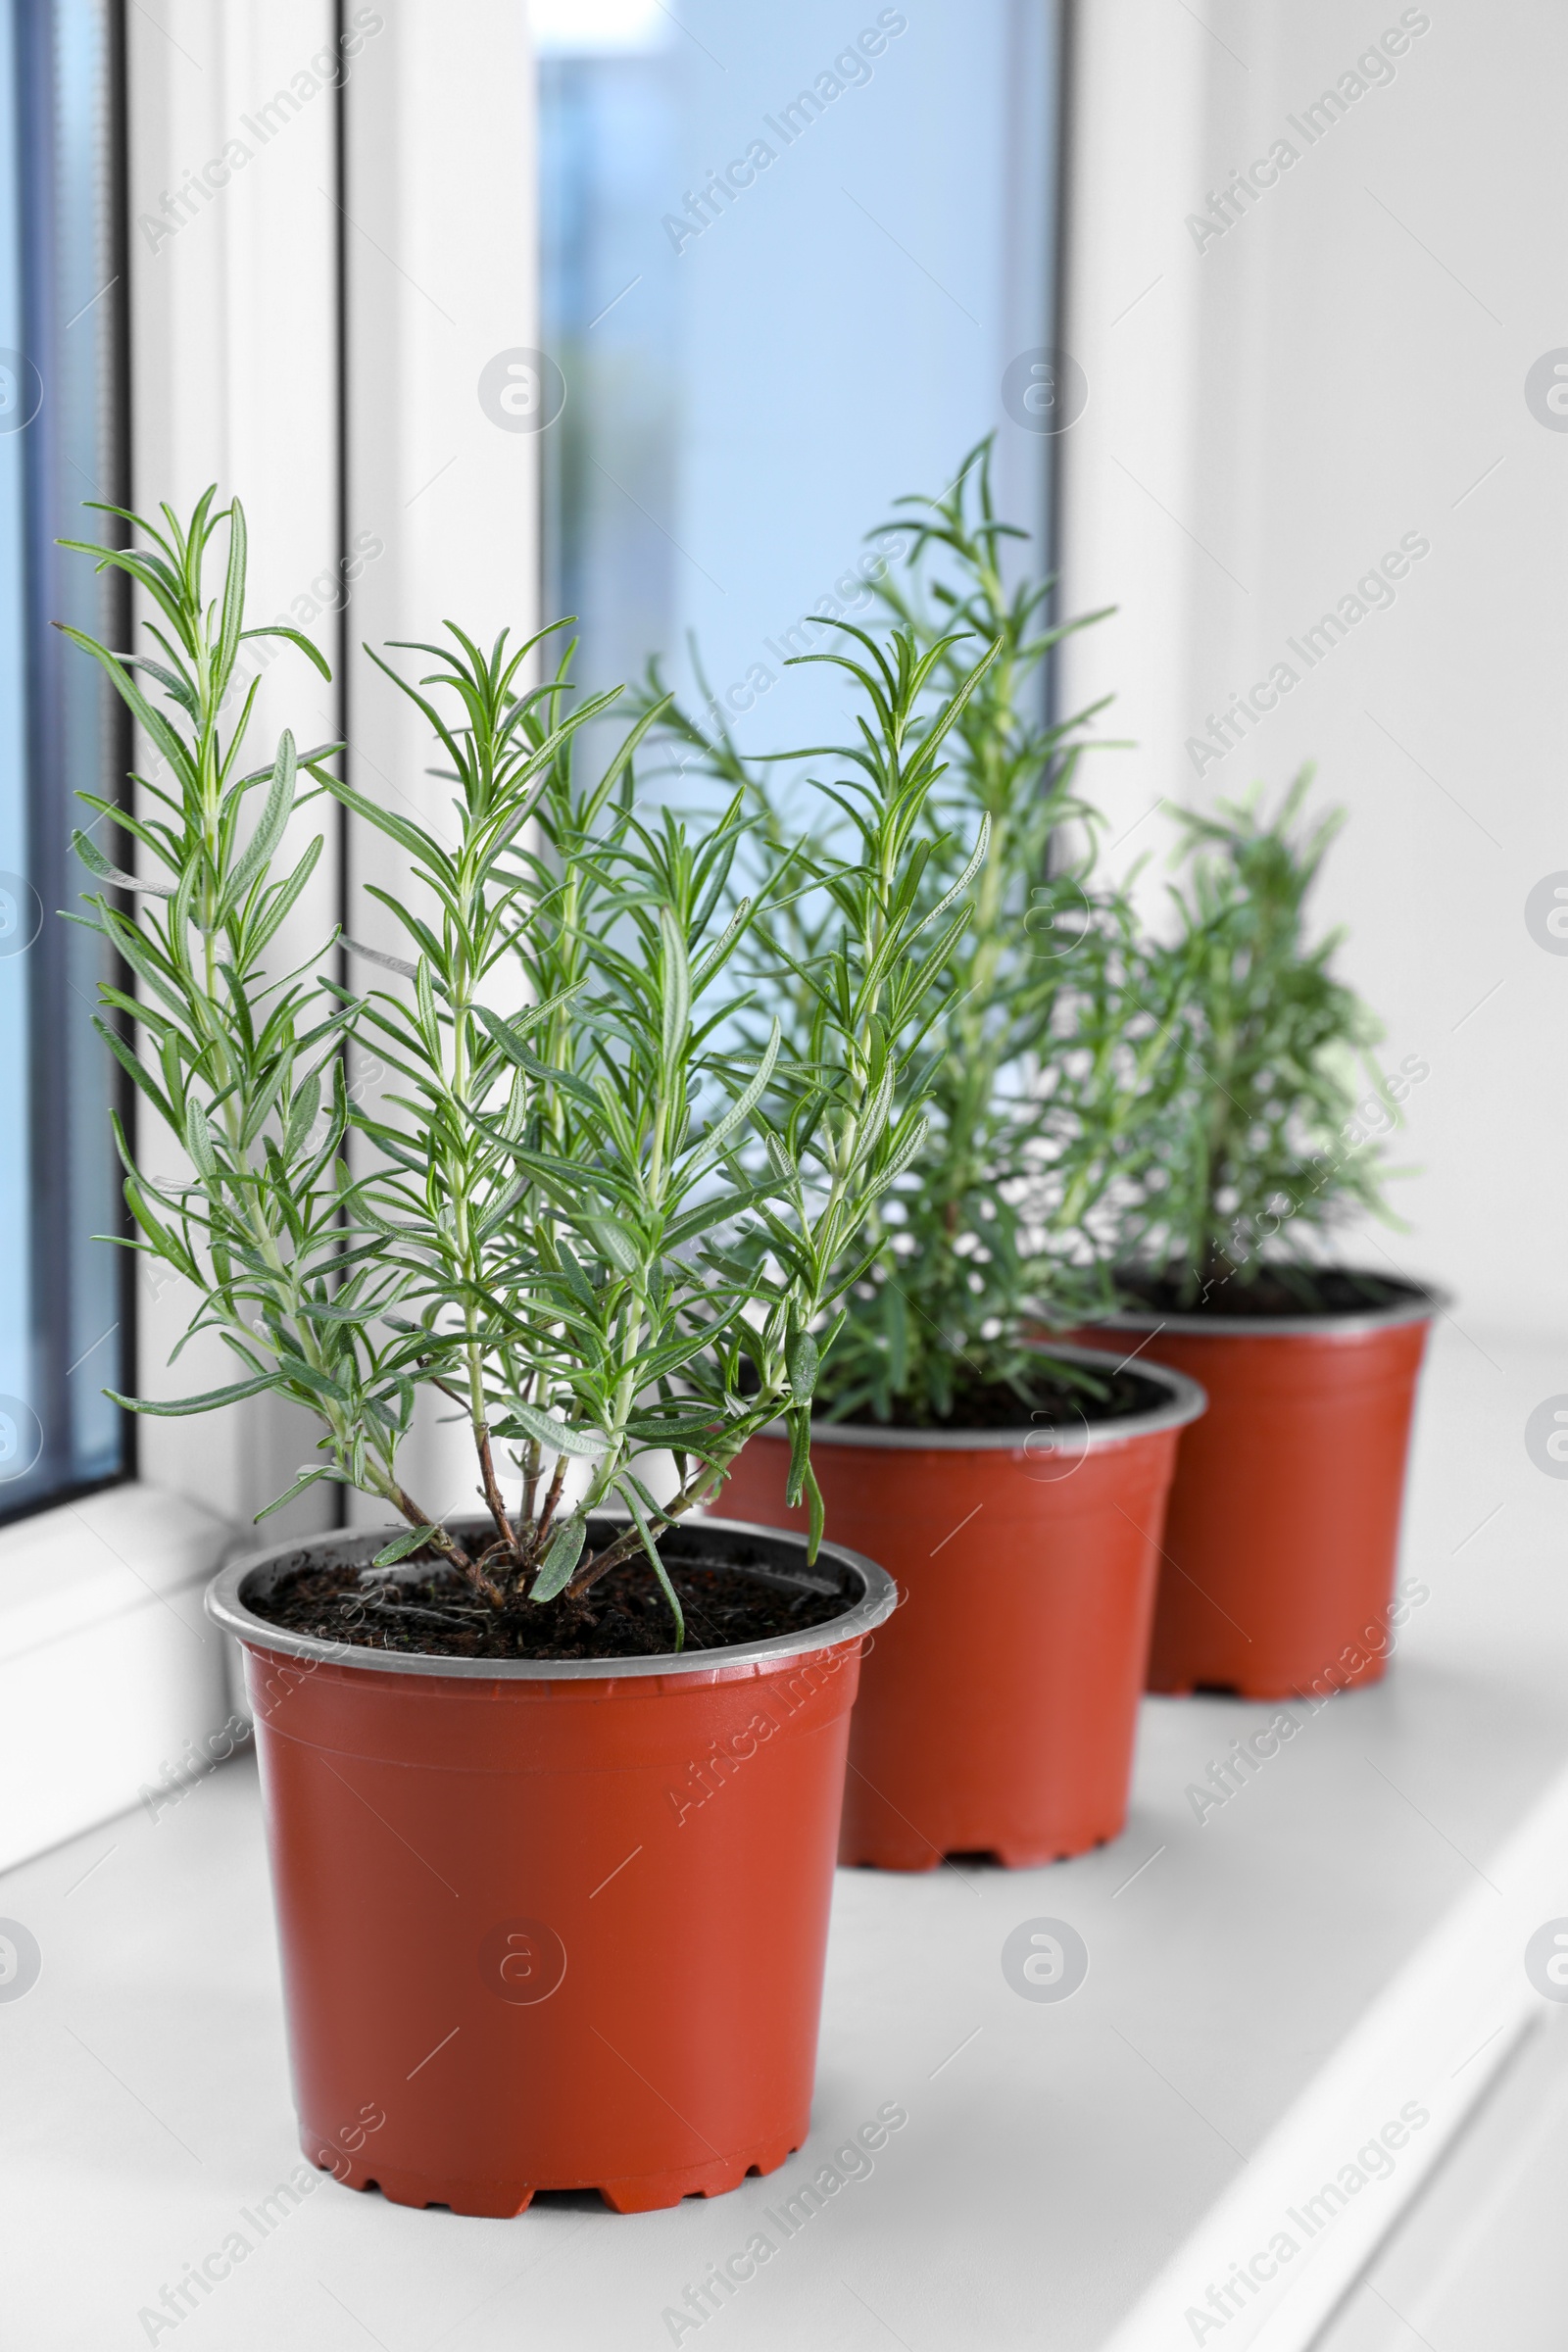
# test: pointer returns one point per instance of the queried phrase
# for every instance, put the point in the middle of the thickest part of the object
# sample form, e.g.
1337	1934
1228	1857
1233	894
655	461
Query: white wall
1345	365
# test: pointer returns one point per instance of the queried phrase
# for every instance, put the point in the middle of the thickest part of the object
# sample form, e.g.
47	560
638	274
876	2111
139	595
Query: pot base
1257	1690
862	1854
504	2200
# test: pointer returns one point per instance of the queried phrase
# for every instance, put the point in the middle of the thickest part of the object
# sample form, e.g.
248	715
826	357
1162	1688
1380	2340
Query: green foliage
639	1276
1256	1165
242	1065
1049	1047
592	1216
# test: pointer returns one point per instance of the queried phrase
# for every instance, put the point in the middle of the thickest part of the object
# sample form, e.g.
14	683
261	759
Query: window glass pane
789	256
63	1311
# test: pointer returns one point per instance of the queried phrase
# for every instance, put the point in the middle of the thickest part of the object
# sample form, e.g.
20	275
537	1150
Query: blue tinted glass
63	1316
789	257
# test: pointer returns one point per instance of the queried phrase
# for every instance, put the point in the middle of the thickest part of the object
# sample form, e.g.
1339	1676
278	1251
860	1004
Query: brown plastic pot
1283	1532
554	1925
999	1706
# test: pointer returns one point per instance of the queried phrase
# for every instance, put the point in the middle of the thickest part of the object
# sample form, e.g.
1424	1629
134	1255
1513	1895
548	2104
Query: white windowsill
108	1664
84	1562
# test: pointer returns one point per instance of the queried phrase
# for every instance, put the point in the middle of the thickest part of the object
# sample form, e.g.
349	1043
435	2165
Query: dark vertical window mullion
345	637
120	734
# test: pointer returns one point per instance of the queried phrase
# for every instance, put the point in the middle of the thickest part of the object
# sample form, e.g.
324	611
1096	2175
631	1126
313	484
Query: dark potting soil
1294	1291
1108	1396
435	1613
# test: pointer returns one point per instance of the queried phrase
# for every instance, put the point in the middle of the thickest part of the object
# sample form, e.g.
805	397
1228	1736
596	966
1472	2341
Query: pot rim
1426	1299
1185	1402
227	1607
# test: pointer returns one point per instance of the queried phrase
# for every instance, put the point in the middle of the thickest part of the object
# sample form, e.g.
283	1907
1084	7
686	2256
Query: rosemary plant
590	1222
1049	1047
237	1061
1258	1161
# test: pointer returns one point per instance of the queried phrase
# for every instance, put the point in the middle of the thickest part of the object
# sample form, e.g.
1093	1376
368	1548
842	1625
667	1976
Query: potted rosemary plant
1017	1494
506	1748
1283	1529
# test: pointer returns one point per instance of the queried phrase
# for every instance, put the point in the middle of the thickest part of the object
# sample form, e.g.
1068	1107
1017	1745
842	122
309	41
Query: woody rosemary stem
492	1492
540	1530
625	1545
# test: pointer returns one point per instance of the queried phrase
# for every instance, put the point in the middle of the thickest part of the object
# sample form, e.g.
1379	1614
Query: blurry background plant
549	1235
1262	1157
1051	1048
